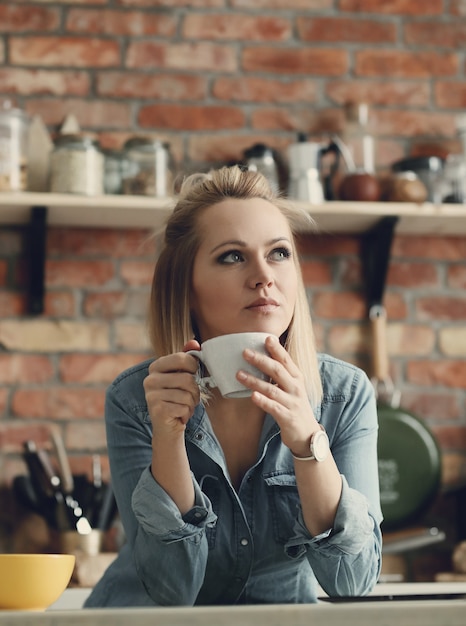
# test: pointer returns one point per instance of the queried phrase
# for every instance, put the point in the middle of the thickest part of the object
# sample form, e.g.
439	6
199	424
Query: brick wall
212	77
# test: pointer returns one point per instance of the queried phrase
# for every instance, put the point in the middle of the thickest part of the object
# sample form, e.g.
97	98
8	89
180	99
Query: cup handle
206	381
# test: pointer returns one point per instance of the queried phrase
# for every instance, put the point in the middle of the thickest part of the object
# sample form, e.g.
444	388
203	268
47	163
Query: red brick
308	5
99	242
3	401
87	368
64	51
14	434
59	403
316	273
105	304
184	117
347	305
297	119
113	23
202	4
441	308
236	27
429	247
386	93
23	369
79	273
450	95
216	147
405	64
432	405
435	33
348	339
183	56
12	304
60	304
48	82
137	273
145	86
17	19
447	373
395	306
415	123
325	245
456	276
3	273
255	89
451	437
95	113
394	7
345	29
410	339
412	275
290	61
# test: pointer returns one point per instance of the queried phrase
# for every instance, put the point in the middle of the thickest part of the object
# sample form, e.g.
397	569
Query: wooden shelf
143	212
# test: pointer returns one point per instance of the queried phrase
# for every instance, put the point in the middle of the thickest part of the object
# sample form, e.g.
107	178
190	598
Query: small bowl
32	582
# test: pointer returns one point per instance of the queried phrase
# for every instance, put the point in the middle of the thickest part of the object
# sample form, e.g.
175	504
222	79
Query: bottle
14	125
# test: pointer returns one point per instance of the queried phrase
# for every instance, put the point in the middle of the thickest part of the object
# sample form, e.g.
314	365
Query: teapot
307	181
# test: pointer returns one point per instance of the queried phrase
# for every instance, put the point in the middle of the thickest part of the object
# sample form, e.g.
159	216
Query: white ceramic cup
223	358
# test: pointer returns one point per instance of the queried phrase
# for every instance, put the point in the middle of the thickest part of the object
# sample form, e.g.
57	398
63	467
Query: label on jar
77	171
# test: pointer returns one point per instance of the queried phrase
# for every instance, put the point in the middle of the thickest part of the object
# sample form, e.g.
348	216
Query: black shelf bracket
35	260
375	257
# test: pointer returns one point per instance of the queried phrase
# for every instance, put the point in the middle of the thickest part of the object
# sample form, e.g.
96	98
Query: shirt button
198	515
199	436
244	541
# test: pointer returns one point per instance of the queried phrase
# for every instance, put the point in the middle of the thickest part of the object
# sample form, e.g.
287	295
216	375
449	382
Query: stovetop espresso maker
308	182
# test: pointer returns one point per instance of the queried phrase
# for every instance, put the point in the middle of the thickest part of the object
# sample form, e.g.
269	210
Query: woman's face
244	275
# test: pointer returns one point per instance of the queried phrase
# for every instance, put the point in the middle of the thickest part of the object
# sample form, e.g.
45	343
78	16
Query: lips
263	305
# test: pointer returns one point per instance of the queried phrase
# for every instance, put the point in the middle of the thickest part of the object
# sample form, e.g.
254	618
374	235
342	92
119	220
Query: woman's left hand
285	397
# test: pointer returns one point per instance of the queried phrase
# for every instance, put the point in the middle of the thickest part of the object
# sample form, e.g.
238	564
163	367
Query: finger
192	344
177	362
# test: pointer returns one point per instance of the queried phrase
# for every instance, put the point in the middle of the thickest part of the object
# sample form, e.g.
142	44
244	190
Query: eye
280	254
230	257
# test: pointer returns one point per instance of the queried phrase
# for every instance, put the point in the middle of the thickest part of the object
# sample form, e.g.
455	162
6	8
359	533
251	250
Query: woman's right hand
172	392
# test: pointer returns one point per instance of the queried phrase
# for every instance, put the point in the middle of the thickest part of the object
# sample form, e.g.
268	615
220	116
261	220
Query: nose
260	275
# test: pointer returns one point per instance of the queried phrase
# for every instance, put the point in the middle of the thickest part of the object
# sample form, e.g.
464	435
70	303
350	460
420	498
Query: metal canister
149	167
14	125
77	166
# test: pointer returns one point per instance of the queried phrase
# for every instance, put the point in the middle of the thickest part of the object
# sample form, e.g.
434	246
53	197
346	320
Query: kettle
261	158
306	180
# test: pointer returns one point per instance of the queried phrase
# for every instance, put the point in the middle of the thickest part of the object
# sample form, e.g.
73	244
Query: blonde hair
170	322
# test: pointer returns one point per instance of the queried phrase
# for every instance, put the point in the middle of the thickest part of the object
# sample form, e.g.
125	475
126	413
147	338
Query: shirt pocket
283	499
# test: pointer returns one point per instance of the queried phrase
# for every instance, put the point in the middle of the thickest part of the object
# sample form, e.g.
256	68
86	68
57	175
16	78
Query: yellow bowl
32	582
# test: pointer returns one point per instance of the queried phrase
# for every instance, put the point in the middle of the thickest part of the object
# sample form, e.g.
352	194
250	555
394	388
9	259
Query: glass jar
149	168
77	166
14	125
115	168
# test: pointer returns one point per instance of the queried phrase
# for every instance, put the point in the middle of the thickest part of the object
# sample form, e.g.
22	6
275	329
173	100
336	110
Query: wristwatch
319	447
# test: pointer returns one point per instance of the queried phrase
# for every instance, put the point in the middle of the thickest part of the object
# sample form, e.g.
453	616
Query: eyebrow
243	244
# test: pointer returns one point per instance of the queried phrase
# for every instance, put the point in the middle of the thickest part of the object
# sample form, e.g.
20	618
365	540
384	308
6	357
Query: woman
226	500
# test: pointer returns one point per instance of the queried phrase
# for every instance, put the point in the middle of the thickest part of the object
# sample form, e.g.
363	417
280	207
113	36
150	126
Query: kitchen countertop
405	604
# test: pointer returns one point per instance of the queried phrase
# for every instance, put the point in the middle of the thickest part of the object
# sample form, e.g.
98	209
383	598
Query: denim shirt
248	546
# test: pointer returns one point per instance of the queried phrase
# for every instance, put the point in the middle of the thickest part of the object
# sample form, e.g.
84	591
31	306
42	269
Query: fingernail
242	375
248	352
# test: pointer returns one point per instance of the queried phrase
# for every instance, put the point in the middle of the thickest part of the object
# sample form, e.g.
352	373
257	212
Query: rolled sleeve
159	515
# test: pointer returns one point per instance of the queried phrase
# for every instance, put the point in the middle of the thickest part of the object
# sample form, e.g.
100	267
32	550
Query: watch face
319	446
